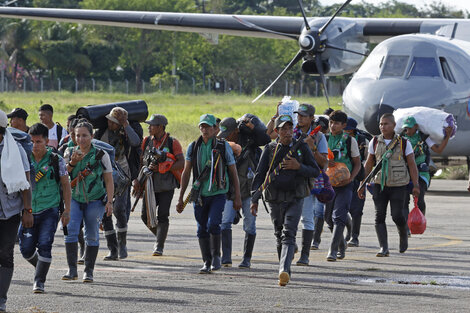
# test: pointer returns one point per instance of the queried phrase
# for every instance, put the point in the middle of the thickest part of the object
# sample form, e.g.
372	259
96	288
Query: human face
156	130
15	122
286	132
412	130
113	126
304	121
387	127
207	132
83	137
45	117
39	145
336	127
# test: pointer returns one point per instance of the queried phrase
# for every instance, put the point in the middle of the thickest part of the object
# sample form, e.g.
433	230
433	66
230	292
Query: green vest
46	193
339	143
92	187
420	155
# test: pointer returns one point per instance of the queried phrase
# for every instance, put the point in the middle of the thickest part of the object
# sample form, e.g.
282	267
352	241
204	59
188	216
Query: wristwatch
29	210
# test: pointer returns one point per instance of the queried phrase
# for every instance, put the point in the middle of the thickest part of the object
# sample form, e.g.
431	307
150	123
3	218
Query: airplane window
446	70
459	74
395	65
426	67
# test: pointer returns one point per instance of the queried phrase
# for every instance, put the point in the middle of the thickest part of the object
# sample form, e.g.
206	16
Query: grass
182	111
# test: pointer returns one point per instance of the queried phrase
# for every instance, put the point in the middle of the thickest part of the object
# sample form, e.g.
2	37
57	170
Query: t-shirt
408	150
176	147
430	142
354	148
229	158
53	140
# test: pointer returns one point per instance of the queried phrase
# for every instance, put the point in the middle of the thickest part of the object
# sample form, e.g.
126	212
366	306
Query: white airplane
418	62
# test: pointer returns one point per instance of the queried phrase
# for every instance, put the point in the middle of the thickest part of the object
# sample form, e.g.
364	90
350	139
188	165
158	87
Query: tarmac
432	276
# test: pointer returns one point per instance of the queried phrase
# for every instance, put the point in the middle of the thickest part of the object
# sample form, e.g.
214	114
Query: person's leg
111	238
340	219
71	248
249	226
143	216
356	209
228	216
93	212
216	209
120	212
319	220
277	218
397	199
381	199
28	240
423	187
201	214
163	214
307	229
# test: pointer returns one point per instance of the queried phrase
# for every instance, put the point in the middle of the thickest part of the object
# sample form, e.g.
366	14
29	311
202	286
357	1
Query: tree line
33	50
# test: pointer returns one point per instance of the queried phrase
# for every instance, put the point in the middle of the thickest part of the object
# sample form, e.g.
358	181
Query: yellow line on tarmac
453	241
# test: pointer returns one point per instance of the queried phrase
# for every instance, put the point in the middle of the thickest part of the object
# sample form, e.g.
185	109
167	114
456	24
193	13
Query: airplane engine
309	67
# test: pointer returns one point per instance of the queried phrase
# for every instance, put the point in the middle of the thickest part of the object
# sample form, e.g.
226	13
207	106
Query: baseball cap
157	119
410	121
351	124
306	109
208	119
112	116
281	120
227	125
18	112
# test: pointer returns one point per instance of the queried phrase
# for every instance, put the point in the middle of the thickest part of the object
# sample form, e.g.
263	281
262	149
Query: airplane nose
372	117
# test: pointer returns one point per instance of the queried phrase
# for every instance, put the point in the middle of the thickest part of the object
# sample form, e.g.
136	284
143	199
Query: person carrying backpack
50	175
391	182
213	165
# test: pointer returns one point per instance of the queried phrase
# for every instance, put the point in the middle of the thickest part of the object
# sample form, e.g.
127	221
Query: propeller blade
323	28
262	29
347	50
303	14
293	62
319	64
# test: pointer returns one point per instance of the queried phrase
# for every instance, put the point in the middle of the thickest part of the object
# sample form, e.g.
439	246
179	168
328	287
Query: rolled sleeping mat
137	111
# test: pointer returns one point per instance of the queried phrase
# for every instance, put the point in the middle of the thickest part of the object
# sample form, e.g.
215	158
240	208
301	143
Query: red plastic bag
416	220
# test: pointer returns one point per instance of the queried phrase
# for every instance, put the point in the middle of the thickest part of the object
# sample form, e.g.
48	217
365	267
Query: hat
18	112
351	124
3	119
157	119
283	119
208	119
46	107
112	116
227	125
306	109
409	122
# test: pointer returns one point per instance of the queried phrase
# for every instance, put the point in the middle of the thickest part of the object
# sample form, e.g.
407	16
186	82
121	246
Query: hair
339	116
71	117
46	107
388	116
2	130
39	129
83	122
328	111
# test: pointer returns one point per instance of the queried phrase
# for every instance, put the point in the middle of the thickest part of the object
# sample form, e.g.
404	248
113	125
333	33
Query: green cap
281	120
409	122
208	119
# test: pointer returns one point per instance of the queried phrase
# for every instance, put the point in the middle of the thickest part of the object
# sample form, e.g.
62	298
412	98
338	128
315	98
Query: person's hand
109	208
153	167
237	203
65	218
361	193
254	209
331	163
76	157
122	118
310	142
27	219
179	206
468	186
277	108
415	191
448	131
290	164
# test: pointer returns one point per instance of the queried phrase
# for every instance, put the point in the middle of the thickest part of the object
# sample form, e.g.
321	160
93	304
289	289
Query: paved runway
432	276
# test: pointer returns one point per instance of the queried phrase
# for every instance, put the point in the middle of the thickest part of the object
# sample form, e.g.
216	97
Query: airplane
417	62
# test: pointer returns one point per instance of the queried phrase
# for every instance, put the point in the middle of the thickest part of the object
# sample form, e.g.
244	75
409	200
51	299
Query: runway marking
453	241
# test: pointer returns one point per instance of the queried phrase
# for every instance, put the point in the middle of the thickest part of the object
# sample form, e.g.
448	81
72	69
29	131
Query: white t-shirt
430	142
53	140
408	150
354	148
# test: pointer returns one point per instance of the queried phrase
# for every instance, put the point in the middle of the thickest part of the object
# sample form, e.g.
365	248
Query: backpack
59	132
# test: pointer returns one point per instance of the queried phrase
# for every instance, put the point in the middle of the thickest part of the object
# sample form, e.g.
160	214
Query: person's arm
356	167
232	171
109	184
439	148
67	197
308	168
27	218
184	184
178	151
259	178
410	159
134	140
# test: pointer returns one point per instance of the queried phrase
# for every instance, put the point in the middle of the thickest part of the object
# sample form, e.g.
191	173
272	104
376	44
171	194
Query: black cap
227	126
46	107
18	112
281	120
306	109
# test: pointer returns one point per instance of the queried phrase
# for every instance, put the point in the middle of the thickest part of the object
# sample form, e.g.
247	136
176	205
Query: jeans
8	231
120	208
310	209
396	197
357	204
285	217
318	209
40	236
249	220
209	215
91	214
336	211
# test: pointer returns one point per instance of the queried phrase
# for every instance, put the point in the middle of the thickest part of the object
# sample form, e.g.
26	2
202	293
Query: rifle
378	166
271	176
87	170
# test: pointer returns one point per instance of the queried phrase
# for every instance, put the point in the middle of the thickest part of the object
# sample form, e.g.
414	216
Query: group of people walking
68	177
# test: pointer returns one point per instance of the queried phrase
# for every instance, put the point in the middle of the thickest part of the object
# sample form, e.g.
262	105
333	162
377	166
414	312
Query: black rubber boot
40	276
279	250
205	246
348	228
6	274
381	230
356	228
403	232
162	232
215	251
34	259
247	251
336	238
71	249
342	246
122	244
112	243
317	233
227	247
307	236
90	258
287	254
81	242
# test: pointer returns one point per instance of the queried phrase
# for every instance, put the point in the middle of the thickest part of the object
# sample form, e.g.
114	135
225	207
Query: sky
457	4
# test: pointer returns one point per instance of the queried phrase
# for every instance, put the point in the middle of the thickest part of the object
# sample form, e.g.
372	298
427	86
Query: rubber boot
112	242
307	236
40	276
162	232
34	259
205	246
6	274
287	254
279	250
342	246
122	244
317	232
215	251
356	228
227	247
402	231
71	249
336	238
348	228
81	242
247	251
90	258
381	230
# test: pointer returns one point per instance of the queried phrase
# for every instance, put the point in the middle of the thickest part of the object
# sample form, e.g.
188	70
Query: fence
307	87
